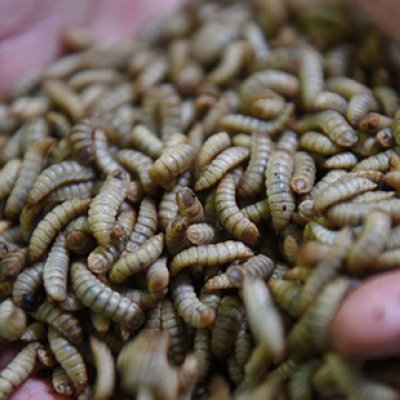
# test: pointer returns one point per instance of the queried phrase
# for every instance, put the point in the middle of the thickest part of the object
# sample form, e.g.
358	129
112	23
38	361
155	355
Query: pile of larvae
183	213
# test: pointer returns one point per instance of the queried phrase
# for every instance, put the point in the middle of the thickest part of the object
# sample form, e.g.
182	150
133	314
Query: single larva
226	327
55	270
31	166
18	370
371	197
243	345
267	105
202	233
61	382
172	163
348	214
229	214
155	72
102	299
385	138
143	139
81	139
287	295
27	284
171	321
288	141
8	176
231	63
104	207
47	228
220	165
318	143
138	260
64	322
346	160
388	99
192	310
247	124
234	370
168	207
340	190
347	87
140	165
78	191
157	276
202	349
103	158
252	181
57	175
189	205
278	81
105	370
321	233
13	321
330	101
370	243
280	197
379	162
303	173
257	212
175	235
269	329
310	77
70	360
78	235
13	262
299	385
359	105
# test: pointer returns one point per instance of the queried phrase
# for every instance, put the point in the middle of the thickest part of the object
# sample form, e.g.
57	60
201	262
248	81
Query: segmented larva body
257	212
138	260
252	181
31	166
70	360
311	77
145	227
104	160
278	81
172	322
210	255
157	276
145	299
13	321
245	123
287	295
78	191
18	370
139	164
375	122
13	262
299	385
61	382
303	173
359	105
192	310
371	197
27	283
202	349
8	176
202	233
370	243
78	235
330	101
269	329
379	162
105	205
223	163
55	271
172	163
280	197
346	160
189	205
52	223
340	190
144	140
62	96
226	327
385	138
63	321
267	105
229	214
318	143
105	369
388	99
175	235
168	207
102	299
81	140
321	233
57	175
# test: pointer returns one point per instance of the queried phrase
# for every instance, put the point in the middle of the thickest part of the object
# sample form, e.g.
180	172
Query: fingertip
367	323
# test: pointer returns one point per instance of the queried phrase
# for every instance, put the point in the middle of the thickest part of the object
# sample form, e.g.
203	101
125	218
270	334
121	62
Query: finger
37	389
368	323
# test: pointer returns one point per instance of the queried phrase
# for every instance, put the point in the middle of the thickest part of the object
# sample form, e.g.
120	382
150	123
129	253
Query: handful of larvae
183	213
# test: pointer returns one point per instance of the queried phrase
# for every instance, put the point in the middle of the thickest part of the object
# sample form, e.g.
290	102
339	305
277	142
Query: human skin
367	322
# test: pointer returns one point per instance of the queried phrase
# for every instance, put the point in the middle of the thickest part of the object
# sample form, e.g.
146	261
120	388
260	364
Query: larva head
120	175
31	301
185	198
